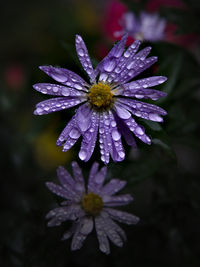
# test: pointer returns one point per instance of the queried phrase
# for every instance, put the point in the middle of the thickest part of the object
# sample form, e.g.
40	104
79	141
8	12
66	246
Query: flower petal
96	183
84	227
122	216
78	177
71	129
120	200
84	58
89	138
58	90
135	105
83	117
56	104
117	152
60	191
110	230
102	237
65	77
64	177
145	83
112	187
138	130
128	136
61	214
110	62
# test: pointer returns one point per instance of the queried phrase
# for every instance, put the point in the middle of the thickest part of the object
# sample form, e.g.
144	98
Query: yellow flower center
100	96
92	204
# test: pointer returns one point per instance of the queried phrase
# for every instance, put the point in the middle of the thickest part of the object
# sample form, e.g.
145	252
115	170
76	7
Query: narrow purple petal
128	136
83	117
117	152
84	227
112	187
121	63
56	104
84	58
71	129
104	137
121	200
61	214
145	83
58	90
110	230
64	177
110	62
60	191
78	177
136	105
65	77
102	237
144	93
96	183
89	138
122	216
138	130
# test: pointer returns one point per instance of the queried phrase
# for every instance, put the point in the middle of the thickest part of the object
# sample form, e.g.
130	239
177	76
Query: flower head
107	103
146	27
90	207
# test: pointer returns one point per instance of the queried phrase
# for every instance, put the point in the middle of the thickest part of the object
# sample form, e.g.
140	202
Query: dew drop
155	117
109	65
115	135
77	86
82	154
59	77
139	130
74	133
65	91
81	52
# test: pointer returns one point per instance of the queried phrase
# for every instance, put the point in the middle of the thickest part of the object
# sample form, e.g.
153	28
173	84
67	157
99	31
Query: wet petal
58	90
84	58
122	216
89	138
121	200
60	191
112	187
84	227
65	77
102	237
56	104
64	177
96	183
83	117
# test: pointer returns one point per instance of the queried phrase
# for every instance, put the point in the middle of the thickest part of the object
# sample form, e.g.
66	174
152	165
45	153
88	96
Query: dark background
163	178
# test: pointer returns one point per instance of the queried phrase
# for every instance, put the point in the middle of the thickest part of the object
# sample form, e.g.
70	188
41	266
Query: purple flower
107	102
148	26
90	207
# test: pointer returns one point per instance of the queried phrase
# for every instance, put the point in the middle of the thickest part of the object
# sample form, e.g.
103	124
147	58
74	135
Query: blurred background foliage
163	178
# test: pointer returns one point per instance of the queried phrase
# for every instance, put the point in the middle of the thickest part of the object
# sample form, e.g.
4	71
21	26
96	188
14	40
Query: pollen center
92	204
100	95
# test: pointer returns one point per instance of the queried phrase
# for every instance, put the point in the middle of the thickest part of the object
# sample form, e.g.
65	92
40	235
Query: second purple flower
107	103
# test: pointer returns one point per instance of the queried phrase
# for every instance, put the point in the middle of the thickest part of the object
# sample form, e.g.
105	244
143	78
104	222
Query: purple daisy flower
90	207
107	102
147	27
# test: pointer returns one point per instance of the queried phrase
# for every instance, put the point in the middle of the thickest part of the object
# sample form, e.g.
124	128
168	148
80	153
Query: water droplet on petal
74	133
109	65
59	77
115	135
81	52
65	91
82	155
155	117
139	130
